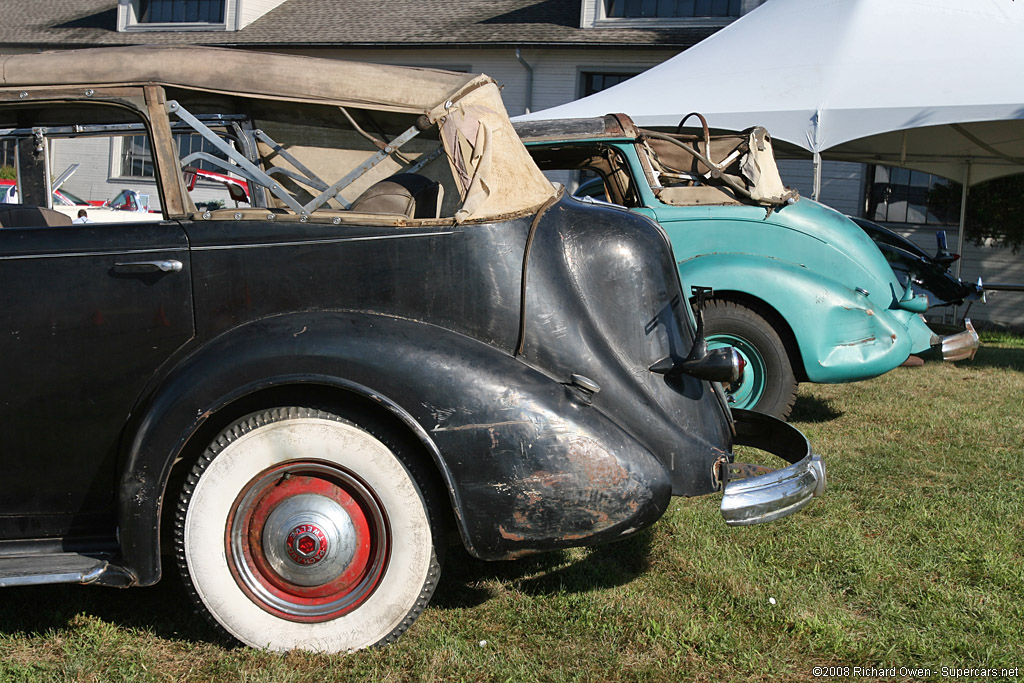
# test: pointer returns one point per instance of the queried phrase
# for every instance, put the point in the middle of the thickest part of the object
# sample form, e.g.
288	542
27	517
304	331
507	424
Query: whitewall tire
299	529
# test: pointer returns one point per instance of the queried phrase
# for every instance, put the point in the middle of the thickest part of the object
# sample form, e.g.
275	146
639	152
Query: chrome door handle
170	266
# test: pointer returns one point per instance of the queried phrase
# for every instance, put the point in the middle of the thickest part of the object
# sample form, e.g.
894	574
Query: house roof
353	23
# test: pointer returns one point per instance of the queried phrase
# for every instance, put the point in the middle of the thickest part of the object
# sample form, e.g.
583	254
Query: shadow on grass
602	566
164	610
990	357
813	409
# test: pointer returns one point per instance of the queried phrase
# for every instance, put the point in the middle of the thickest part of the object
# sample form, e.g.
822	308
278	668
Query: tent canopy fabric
845	78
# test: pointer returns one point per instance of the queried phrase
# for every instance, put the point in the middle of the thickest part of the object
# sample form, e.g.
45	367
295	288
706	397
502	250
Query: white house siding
995	265
556	72
842	183
91	180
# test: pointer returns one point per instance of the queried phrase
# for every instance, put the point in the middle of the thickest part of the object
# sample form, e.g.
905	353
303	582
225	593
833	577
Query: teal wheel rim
752	386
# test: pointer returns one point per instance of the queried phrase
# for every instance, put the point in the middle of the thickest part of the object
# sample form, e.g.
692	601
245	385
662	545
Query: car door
88	312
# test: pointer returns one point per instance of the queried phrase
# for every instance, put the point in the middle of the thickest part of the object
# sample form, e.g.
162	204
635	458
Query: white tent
822	74
933	85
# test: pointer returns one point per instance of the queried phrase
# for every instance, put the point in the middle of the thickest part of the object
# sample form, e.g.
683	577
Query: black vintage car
929	273
398	328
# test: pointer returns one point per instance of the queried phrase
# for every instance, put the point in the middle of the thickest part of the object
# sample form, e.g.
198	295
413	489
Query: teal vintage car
799	289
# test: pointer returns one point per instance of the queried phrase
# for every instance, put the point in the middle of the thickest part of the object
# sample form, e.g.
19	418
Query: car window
77	165
592	159
306	159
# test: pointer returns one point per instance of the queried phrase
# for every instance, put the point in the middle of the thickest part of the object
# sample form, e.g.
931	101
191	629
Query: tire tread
783	397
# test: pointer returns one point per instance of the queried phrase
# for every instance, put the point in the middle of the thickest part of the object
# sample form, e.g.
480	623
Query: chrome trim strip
333	240
90	575
80	254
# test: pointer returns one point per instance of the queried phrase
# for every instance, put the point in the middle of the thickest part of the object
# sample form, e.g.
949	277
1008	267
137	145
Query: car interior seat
403	194
30	216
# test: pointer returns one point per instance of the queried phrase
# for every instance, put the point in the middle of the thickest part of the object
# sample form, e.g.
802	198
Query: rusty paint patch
508	535
601	468
591	492
860	342
547	479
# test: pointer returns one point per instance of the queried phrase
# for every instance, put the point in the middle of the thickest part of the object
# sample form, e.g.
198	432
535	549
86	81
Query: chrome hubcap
309	539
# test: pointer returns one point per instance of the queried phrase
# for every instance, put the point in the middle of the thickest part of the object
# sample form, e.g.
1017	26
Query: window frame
603	8
118	157
879	194
583	72
7	154
130	19
593	14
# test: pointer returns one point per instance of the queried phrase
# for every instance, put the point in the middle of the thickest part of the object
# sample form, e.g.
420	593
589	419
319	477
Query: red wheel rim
307	541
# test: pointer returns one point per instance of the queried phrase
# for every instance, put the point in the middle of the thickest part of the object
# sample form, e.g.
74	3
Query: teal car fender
848	314
841	334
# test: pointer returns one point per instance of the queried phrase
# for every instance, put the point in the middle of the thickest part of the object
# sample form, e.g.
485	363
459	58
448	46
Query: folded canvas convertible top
288	77
492	175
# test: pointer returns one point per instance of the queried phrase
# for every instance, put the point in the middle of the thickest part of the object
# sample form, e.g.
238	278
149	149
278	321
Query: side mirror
720	365
942	254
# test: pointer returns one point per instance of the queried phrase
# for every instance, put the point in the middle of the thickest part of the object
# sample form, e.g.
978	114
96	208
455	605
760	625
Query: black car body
409	330
928	273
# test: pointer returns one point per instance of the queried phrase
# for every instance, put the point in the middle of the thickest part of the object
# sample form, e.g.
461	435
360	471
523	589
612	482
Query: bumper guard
755	494
962	345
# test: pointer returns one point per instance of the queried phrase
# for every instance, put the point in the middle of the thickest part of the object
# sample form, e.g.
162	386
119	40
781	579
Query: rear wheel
300	529
768	384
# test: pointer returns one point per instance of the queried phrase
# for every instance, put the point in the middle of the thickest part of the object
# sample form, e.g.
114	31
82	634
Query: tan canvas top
305	79
493	175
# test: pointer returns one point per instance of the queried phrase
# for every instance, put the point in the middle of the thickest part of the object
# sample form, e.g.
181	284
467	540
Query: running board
35	570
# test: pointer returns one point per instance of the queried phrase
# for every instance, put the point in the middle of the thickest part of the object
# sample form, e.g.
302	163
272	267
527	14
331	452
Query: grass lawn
914	558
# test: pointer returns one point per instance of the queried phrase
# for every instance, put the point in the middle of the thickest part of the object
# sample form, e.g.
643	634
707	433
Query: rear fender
527	463
842	336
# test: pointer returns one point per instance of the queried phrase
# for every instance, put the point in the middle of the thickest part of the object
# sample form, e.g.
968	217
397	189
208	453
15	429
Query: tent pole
963	218
816	188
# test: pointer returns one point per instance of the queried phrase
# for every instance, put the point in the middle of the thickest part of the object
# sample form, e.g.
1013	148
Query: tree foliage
995	209
7	173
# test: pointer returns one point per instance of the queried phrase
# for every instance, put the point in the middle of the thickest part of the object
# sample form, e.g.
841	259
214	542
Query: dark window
686	9
592	81
899	195
7	146
136	157
181	11
137	160
189	143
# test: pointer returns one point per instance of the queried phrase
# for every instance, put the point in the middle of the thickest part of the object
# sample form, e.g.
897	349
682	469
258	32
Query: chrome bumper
962	345
754	494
